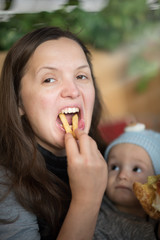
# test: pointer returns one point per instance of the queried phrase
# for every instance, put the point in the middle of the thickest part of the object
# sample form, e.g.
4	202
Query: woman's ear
20	107
21	112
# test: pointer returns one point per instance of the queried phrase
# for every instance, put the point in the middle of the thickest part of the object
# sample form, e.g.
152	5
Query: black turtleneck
57	165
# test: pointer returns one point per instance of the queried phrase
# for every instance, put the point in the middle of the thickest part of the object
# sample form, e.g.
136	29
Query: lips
123	187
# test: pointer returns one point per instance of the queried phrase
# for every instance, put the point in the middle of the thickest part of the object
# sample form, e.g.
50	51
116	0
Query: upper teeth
70	110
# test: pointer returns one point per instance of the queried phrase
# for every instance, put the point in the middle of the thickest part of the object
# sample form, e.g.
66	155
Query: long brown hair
30	179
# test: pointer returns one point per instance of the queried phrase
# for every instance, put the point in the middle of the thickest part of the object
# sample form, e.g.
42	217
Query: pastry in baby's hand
149	195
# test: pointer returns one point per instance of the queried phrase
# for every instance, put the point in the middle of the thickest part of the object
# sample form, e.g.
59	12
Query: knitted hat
147	139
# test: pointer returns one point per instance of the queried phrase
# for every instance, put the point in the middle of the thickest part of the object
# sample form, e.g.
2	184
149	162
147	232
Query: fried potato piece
74	123
146	194
66	125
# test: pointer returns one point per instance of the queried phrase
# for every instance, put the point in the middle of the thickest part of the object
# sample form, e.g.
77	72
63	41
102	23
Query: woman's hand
87	172
87	168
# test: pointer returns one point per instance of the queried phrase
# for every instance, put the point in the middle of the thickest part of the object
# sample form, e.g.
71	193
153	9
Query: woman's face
57	78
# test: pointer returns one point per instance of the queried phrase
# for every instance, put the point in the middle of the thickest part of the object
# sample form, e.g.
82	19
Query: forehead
126	147
129	151
62	46
60	53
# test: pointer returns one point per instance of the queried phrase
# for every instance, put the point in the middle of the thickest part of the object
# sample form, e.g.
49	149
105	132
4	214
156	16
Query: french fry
66	126
65	123
74	124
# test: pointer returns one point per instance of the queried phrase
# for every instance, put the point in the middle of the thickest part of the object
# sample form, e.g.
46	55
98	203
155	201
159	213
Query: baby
132	157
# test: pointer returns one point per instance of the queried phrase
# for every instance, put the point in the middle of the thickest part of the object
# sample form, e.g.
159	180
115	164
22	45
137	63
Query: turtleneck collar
57	165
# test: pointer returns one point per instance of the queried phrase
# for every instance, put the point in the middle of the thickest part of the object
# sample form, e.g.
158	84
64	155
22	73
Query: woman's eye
81	77
49	80
137	169
114	168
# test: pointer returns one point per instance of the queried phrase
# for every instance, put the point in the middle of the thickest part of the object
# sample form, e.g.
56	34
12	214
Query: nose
123	174
70	89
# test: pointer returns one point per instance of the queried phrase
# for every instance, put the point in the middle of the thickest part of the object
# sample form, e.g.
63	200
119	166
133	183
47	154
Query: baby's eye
49	80
81	77
114	168
137	169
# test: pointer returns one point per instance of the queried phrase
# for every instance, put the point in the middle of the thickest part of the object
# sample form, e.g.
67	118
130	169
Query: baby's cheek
141	179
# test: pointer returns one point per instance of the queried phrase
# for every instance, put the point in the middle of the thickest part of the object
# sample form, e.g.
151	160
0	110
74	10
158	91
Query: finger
86	143
72	148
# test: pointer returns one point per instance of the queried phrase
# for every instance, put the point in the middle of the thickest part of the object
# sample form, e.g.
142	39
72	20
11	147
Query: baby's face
127	163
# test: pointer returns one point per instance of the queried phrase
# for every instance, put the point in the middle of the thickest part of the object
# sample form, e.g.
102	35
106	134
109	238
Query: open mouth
69	113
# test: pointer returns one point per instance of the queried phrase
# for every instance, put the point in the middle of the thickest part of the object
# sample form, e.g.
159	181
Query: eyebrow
45	67
141	162
54	68
83	66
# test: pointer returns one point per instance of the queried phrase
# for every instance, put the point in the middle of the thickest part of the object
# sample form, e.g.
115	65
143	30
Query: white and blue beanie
147	139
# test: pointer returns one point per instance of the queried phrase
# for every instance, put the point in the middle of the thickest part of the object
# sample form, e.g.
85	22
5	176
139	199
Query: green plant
118	23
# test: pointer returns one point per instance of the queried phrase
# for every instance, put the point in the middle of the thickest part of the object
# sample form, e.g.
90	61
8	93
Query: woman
51	184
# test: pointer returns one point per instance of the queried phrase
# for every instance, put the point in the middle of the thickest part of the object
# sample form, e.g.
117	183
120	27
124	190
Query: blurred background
124	39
